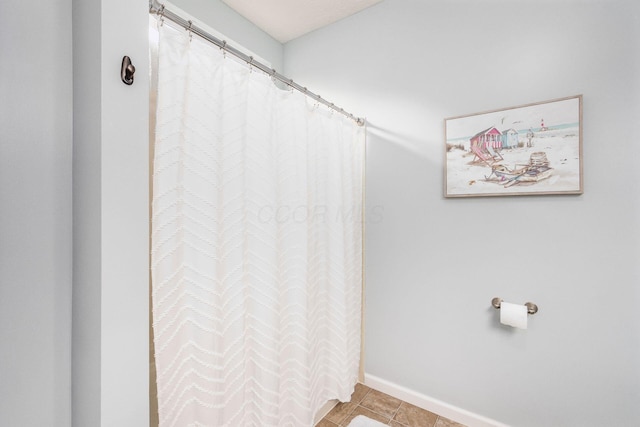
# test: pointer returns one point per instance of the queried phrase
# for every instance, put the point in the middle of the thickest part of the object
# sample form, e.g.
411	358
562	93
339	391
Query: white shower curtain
256	244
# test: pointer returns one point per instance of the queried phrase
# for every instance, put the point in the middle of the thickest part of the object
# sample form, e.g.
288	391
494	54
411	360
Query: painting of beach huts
532	149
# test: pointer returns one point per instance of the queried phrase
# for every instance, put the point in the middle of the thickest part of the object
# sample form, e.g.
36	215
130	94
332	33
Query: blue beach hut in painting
510	138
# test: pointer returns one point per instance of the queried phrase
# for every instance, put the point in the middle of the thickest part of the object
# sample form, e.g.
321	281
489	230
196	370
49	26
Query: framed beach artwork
526	150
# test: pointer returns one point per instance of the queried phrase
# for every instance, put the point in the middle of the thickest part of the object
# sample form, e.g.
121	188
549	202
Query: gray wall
433	265
42	110
35	213
86	393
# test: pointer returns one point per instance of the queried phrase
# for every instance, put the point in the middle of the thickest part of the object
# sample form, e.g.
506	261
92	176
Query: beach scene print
531	149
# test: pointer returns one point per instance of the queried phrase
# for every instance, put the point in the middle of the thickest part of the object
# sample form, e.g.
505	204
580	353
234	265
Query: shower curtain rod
158	8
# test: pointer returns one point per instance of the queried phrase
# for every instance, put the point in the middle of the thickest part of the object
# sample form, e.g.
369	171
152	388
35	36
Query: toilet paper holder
531	307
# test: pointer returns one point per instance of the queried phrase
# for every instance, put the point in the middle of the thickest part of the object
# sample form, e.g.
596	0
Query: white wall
433	265
110	208
35	213
110	203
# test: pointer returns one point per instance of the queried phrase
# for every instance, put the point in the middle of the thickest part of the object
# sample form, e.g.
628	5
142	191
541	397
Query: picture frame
532	149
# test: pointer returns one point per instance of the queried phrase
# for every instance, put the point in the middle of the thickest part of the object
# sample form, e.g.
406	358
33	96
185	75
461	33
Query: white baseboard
439	407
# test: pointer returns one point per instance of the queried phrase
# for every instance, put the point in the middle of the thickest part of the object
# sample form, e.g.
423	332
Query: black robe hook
127	70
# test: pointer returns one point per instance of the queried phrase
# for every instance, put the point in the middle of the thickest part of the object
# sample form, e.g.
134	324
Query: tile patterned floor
384	408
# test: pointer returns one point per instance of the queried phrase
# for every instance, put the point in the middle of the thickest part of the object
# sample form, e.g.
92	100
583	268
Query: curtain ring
161	14
189	30
223	48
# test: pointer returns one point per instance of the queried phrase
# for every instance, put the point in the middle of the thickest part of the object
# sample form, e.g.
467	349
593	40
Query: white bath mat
362	421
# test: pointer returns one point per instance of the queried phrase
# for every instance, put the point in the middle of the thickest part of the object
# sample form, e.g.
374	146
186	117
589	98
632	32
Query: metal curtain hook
223	48
161	14
190	31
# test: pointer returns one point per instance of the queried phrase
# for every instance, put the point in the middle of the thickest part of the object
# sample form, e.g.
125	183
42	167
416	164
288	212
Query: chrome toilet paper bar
531	307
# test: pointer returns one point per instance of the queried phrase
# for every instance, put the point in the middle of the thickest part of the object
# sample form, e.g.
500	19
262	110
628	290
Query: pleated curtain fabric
256	244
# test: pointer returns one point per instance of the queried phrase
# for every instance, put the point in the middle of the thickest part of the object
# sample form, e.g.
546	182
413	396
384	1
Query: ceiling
285	20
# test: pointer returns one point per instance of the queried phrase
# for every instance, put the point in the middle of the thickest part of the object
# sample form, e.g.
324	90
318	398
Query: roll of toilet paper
513	315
